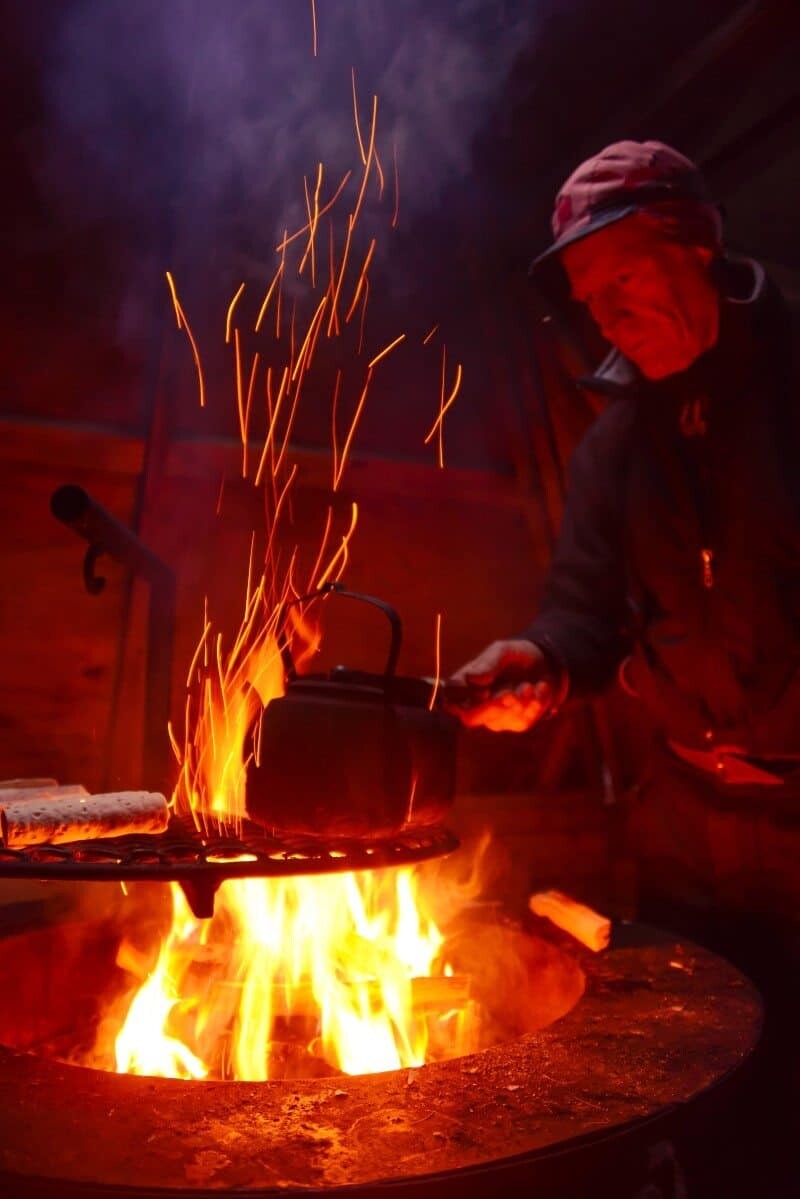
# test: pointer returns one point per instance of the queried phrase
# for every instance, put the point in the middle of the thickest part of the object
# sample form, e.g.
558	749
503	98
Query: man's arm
578	639
583	614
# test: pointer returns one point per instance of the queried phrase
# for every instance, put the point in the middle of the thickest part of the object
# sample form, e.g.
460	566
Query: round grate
200	862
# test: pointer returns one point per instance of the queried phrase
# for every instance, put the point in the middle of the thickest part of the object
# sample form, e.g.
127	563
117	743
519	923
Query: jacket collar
745	293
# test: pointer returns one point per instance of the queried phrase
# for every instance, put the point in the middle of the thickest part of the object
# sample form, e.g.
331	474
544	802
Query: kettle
350	754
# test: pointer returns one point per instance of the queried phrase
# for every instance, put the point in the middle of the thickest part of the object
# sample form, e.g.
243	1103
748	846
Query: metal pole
75	508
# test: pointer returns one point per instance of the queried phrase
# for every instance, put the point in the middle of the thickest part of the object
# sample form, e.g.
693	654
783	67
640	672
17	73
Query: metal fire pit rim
433	1183
663	1023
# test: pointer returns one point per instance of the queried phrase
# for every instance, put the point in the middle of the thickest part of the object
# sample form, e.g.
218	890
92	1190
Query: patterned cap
625	178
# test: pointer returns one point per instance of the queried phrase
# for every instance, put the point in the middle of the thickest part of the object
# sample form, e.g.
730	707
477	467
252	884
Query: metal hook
93	582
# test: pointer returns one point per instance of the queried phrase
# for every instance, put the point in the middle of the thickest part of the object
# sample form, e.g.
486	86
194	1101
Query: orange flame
143	1046
338	959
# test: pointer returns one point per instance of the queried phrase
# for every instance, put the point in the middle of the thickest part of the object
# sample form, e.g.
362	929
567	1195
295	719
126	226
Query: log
580	921
439	994
434	996
54	819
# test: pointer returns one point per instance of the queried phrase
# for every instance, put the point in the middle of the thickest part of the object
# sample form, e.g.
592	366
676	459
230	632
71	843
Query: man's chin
656	366
656	370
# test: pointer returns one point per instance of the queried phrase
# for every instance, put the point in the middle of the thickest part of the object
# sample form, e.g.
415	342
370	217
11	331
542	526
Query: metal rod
75	508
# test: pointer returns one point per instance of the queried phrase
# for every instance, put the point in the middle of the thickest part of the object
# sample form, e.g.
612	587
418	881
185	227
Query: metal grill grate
200	863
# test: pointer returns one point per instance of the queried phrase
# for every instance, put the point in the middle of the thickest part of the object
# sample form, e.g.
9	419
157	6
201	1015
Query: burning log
430	996
580	921
51	817
434	995
439	994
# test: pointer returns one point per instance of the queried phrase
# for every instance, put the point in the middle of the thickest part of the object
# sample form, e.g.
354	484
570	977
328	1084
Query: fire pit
644	1029
251	1044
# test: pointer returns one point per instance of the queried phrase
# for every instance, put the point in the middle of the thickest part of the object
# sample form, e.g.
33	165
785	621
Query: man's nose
607	310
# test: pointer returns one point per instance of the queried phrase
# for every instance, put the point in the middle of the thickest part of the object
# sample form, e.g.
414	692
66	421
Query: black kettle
349	754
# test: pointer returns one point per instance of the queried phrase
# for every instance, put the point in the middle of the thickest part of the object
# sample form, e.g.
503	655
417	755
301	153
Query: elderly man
678	563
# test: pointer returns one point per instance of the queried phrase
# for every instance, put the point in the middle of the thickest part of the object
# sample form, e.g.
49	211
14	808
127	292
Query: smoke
177	134
223	107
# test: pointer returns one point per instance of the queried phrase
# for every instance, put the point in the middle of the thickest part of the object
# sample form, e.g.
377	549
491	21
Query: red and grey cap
627	177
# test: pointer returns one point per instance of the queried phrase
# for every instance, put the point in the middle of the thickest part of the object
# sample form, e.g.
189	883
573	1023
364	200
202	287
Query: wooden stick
54	819
580	921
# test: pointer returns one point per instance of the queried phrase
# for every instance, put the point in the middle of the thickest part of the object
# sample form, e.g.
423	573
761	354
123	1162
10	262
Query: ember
229	688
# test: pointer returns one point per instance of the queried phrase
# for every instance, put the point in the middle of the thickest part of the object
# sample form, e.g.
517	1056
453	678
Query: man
678	563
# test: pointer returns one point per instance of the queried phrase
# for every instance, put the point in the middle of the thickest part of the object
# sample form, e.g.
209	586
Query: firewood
53	819
580	921
440	993
432	996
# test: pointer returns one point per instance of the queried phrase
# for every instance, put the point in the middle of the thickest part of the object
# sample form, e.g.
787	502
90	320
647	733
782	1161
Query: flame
338	957
334	959
349	966
143	1046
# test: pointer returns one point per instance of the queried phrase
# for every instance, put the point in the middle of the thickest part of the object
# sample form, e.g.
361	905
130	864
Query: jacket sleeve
582	618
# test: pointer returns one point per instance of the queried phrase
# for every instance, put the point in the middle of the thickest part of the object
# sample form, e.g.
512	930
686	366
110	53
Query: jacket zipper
706	560
699	485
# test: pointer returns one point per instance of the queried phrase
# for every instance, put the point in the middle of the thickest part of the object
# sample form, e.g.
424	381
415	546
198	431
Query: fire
327	967
345	971
335	970
143	1046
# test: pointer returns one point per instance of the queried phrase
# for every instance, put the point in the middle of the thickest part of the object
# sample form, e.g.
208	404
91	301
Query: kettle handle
337	589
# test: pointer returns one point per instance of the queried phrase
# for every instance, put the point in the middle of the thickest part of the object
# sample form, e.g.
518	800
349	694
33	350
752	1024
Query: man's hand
513	687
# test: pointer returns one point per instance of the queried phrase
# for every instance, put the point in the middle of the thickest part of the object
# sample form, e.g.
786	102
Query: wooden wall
429	541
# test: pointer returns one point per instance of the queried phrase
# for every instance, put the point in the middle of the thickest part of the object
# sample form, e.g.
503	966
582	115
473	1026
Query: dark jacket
679	552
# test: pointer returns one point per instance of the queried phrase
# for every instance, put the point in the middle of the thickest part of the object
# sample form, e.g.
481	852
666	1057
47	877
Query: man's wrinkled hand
509	687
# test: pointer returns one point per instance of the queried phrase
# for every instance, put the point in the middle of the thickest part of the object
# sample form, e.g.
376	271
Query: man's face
651	296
